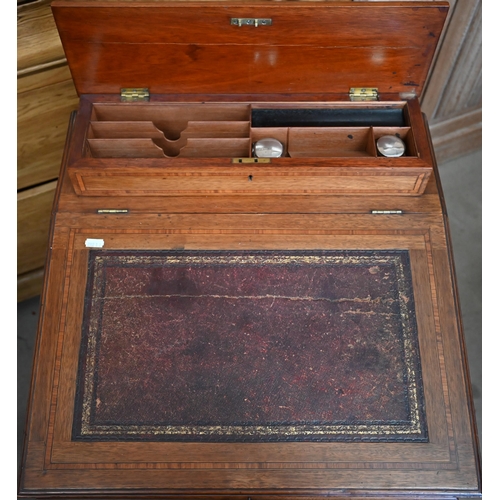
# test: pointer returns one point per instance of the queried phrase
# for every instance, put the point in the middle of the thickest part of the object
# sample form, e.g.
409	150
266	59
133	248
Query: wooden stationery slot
169	128
125	148
123	129
170	118
110	139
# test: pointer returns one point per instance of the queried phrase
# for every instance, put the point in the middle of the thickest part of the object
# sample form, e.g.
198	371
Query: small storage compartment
327	142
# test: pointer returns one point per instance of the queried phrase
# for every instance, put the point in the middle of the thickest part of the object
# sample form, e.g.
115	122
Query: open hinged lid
249	47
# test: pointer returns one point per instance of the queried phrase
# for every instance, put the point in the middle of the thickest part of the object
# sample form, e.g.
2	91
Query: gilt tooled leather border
259	346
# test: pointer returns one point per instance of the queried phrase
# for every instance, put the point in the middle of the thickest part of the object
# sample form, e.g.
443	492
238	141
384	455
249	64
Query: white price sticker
94	243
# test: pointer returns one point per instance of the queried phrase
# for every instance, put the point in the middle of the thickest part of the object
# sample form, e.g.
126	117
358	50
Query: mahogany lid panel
192	47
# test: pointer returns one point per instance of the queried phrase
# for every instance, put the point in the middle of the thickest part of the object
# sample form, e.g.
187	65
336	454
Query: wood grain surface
38	44
310	48
272	468
43	122
34	214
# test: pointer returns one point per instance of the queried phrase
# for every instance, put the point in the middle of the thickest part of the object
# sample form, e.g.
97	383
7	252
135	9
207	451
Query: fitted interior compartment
329	141
173	149
279	133
212	130
404	133
132	147
121	138
338	142
171	119
328	117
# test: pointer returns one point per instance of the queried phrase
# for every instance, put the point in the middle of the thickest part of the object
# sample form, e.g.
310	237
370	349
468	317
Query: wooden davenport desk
225	326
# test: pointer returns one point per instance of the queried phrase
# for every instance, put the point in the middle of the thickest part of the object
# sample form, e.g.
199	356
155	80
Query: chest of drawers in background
46	96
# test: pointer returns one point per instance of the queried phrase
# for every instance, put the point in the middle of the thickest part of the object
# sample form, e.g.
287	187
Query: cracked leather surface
259	346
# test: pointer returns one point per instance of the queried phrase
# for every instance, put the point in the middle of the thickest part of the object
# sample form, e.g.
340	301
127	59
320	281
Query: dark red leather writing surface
261	346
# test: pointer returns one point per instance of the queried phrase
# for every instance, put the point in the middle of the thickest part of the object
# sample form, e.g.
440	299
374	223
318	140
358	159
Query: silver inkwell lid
267	148
390	146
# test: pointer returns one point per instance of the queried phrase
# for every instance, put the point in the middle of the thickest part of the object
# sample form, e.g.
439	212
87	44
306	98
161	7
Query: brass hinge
387	212
112	210
363	94
130	94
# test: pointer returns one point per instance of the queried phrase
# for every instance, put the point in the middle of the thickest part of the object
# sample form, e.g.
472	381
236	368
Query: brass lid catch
251	160
250	21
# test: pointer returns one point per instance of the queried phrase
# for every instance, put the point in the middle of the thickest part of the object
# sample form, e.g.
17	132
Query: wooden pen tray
167	148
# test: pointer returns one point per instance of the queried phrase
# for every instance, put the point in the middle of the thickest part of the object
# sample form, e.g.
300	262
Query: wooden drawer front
251	180
34	207
42	124
38	42
45	95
